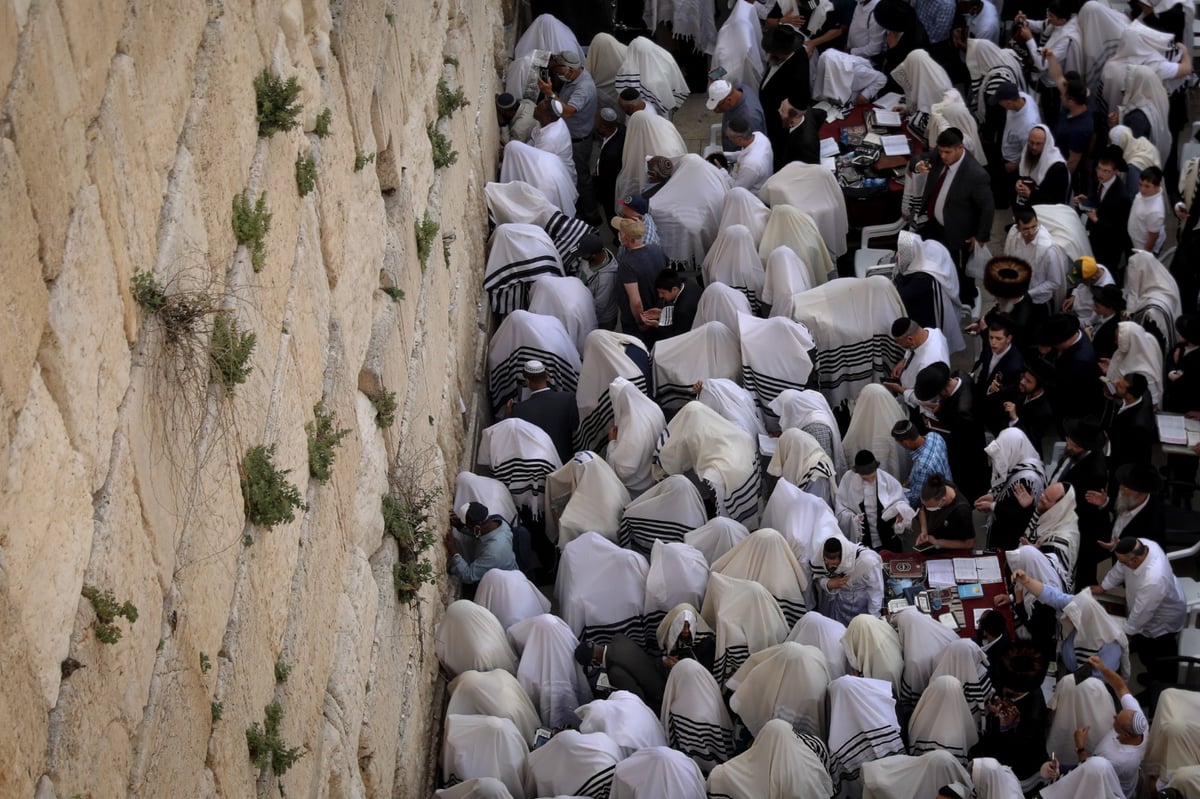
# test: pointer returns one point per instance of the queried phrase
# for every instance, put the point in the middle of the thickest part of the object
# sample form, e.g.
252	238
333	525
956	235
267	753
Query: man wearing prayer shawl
694	715
548	672
601	589
746	617
625	718
494	693
862	724
485	746
778	765
928	284
1095	778
788	681
765	558
469	638
739	49
1016	470
575	764
849	580
657	771
871	504
966	662
942	720
922	639
1042	174
904	776
1054	529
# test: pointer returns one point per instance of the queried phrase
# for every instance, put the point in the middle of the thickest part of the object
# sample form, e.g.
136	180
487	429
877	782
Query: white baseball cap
718	90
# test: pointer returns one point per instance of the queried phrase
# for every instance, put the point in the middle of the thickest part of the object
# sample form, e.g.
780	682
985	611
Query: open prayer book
1178	430
983	569
883	118
896	144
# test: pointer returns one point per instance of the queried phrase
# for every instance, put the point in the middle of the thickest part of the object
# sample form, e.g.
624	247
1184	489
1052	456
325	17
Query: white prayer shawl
625	718
569	301
816	630
584	495
556	139
913	255
665	512
786	276
517	202
687	208
788	681
765	557
655	772
875	413
1143	91
548	672
1151	294
873	650
774	358
1186	780
601	589
485	746
1050	156
1050	264
1057	535
671	627
863	594
694	715
719	451
721	303
494	693
678	576
922	639
646	134
862	723
653	72
779	765
477	788
546	32
1014	458
1174	739
733	260
733	403
994	780
1139	45
1138	151
716	537
1087	704
942	720
1094	778
966	662
487	491
952	112
518	254
520	78
1062	223
742	207
923	82
470	637
1038	566
1138	352
988	66
575	764
604	57
1093	627
801	518
543	170
840	78
690	19
802	408
889	494
788	226
853	319
738	47
1189	176
800	460
525	335
510	596
1100	29
639	422
520	455
604	360
811	189
907	777
746	618
706	352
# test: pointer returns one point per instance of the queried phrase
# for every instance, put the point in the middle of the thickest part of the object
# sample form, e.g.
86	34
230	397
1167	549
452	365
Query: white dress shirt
755	163
1153	593
866	37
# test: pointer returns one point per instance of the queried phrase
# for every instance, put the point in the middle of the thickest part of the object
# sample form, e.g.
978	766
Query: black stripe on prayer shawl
593	428
817	745
977	694
452	779
566	232
650	622
632	628
868	361
907	695
506	379
673	396
729	661
508	286
640	534
742	503
523	477
793	610
921	746
849	756
751	296
710	742
517	269
766	388
598	785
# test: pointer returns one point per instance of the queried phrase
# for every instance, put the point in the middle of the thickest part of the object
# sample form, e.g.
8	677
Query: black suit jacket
607	170
1104	339
792	76
804	143
1035	418
629	668
556	413
684	315
969	205
1109	234
1133	435
1077	381
1009	370
1183	395
1150	522
958	418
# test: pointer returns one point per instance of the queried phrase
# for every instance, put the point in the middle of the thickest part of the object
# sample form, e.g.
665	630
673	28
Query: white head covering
1050	156
825	634
942	720
657	771
524	336
646	134
1151	293
994	780
574	763
690	19
739	48
733	402
478	788
601	589
1065	229
520	455
604	58
788	226
1014	458
774	357
706	352
786	276
688	207
720	303
733	260
746	617
1038	566
669	629
625	718
799	459
1094	778
518	202
801	518
584	495
546	32
742	207
965	661
485	746
1087	704
875	414
1137	151
678	575
800	409
487	491
1093	627
494	693
716	537
990	65
653	72
667	511
851	493
913	255
952	112
839	78
543	170
548	671
569	301
1173	741
1144	92
1100	28
787	681
604	360
1058	534
470	637
862	721
510	596
922	639
903	776
518	254
858	562
765	558
639	422
922	80
778	766
694	715
873	650
811	189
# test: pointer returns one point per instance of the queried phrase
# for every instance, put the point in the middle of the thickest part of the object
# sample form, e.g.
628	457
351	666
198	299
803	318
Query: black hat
931	380
1085	432
1025	666
1006	91
1138	477
895	16
477	513
1007	278
780	40
1057	329
589	245
506	102
1042	370
1109	296
1116	155
904	429
865	462
1188	327
584	653
800	100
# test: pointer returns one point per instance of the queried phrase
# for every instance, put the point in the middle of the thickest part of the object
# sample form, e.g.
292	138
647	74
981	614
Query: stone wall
126	129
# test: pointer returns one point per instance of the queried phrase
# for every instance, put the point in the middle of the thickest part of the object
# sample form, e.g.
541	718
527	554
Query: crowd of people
710	439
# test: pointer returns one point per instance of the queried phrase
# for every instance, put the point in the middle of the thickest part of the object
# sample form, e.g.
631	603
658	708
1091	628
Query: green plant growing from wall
324	119
306	174
205	663
385	408
282	670
107	610
251	223
397	294
276	101
427	230
148	293
322	439
443	153
231	351
266	746
218	708
449	101
390	17
407	513
362	159
268	498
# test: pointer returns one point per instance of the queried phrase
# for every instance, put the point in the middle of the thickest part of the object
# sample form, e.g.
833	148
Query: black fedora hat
1085	432
865	462
1139	477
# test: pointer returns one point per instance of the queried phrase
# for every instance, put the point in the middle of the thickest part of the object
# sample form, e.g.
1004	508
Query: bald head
1050	497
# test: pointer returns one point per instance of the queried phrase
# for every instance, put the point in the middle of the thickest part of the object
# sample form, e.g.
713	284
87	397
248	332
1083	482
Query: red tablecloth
880	209
990	590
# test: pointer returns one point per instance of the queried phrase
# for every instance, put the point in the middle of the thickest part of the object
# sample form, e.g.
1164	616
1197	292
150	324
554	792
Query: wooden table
990	590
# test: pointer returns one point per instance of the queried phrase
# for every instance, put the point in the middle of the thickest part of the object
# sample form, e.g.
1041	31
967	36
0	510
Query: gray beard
1125	504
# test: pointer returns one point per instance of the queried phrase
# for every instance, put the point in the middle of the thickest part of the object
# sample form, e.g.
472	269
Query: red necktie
937	189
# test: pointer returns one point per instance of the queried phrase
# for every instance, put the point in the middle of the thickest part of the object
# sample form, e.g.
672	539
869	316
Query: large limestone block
92	31
367	529
23	742
84	354
8	44
47	537
360	41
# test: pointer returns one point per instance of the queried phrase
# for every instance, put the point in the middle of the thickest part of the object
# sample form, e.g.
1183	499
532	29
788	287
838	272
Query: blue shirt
748	108
930	459
936	16
492	550
1109	654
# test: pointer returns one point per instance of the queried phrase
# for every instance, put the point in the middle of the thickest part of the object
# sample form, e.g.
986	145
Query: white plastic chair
867	260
